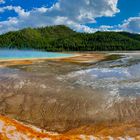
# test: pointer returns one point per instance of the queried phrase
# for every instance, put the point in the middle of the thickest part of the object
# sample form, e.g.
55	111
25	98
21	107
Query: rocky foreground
14	130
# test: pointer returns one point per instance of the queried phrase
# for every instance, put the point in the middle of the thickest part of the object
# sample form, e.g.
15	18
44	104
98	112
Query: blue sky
81	15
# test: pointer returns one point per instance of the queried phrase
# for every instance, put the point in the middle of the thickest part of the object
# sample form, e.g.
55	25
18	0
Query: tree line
61	38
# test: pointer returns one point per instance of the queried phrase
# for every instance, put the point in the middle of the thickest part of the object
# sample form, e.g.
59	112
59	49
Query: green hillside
62	38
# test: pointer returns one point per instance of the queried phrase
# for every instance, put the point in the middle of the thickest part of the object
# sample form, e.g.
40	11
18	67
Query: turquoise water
23	54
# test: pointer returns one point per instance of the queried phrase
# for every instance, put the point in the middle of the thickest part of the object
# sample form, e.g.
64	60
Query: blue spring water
23	54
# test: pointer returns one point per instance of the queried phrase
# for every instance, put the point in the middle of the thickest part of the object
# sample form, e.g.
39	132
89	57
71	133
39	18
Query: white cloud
2	1
132	25
84	11
17	9
69	12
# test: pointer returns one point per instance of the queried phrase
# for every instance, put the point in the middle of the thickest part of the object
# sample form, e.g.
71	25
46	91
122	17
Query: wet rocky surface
64	96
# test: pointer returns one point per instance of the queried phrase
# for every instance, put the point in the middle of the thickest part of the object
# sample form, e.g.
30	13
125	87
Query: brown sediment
85	58
114	129
15	62
11	129
77	58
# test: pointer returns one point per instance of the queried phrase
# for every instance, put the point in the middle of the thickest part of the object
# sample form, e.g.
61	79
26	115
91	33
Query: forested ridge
62	38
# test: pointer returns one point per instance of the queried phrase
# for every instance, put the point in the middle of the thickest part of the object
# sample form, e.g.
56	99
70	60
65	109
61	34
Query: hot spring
29	54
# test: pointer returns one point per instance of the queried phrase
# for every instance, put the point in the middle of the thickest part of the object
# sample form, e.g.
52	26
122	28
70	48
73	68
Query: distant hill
62	38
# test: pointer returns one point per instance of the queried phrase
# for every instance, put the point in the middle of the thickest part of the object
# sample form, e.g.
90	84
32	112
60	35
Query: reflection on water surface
61	96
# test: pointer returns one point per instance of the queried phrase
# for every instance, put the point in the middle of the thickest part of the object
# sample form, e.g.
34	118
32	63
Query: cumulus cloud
132	25
17	9
68	12
84	11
